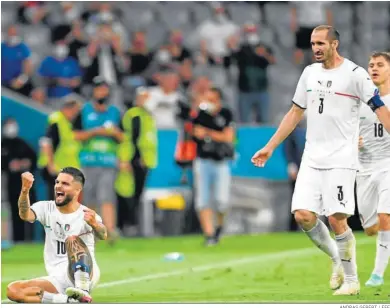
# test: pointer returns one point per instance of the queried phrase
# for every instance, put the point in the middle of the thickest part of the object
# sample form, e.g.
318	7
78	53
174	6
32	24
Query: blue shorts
212	184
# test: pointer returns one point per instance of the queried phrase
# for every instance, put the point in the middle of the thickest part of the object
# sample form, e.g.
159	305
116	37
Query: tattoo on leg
78	255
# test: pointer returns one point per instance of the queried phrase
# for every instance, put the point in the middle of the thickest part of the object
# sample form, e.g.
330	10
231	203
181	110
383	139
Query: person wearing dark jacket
16	157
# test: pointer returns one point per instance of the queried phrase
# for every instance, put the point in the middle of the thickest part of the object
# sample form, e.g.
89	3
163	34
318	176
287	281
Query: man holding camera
213	131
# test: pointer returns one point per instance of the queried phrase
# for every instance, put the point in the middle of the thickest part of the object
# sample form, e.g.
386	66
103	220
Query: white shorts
61	281
373	196
324	191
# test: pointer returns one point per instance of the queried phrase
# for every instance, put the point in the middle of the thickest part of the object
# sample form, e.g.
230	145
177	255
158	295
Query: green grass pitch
280	267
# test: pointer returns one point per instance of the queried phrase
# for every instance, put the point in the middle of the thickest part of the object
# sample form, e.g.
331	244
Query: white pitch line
204	268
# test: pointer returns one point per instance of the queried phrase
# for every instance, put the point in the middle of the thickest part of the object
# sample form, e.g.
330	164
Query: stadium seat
157	34
137	18
278	14
201	12
243	13
173	17
7	16
342	15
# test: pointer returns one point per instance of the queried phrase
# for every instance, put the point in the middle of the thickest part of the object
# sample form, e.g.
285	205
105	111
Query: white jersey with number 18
58	227
333	98
375	154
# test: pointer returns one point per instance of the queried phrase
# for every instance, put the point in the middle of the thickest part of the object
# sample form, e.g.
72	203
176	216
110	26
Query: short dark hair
384	54
78	176
218	91
333	34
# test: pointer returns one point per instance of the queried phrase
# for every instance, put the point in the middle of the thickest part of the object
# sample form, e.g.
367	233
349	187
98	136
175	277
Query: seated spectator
16	65
253	59
61	73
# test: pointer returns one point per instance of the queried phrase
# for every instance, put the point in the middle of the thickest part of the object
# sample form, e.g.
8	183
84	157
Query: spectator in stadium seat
213	36
33	12
16	65
16	157
305	16
253	59
61	73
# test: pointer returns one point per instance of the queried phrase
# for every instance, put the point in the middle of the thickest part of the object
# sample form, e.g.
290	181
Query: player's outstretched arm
288	124
25	213
97	226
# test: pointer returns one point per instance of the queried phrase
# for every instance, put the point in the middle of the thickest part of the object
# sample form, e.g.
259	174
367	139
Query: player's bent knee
384	221
304	217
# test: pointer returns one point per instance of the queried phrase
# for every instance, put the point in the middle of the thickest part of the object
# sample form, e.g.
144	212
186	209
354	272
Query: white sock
346	243
51	298
82	280
320	236
382	253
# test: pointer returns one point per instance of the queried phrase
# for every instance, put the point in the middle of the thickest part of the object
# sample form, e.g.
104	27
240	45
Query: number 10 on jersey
61	249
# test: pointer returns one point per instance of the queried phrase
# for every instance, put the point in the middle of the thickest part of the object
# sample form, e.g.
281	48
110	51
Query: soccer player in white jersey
69	252
332	91
373	178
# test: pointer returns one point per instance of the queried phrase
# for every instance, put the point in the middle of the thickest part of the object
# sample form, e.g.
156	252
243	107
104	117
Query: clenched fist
90	217
27	181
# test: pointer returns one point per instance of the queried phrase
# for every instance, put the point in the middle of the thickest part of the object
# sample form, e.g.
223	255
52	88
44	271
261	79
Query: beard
65	201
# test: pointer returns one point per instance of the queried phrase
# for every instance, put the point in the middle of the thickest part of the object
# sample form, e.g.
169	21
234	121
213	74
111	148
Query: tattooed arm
98	227
25	213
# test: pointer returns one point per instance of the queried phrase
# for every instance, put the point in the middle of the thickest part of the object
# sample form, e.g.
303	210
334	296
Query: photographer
213	131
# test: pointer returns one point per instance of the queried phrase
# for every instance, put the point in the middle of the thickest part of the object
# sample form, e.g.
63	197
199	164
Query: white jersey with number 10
333	98
375	154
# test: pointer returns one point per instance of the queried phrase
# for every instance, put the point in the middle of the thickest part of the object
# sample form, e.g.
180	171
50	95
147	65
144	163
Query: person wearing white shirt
69	252
332	91
373	178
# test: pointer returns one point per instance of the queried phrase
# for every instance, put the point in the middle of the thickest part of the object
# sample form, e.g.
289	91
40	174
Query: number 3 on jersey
321	107
61	249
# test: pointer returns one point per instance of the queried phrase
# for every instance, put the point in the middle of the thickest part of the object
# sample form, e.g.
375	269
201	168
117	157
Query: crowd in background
106	51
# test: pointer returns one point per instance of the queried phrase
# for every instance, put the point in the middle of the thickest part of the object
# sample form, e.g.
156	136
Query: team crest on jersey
58	231
67	227
329	83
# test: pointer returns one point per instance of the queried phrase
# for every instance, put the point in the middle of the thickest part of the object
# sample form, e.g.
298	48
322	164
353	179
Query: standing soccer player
373	178
69	252
332	91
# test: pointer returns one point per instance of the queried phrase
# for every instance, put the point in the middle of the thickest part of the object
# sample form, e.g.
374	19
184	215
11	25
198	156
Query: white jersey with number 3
333	98
375	154
58	227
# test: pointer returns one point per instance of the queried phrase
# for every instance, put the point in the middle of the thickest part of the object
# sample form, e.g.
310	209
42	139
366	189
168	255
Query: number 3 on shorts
340	194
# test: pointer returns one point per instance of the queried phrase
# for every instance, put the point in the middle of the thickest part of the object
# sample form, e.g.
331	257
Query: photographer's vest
147	141
99	151
67	152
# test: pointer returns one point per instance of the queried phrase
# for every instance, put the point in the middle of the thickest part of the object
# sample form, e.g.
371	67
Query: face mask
102	101
71	15
253	39
14	40
11	130
207	106
220	18
61	51
163	57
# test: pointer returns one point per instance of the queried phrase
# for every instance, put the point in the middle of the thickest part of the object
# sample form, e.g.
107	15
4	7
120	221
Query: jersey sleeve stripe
298	105
355	68
347	95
